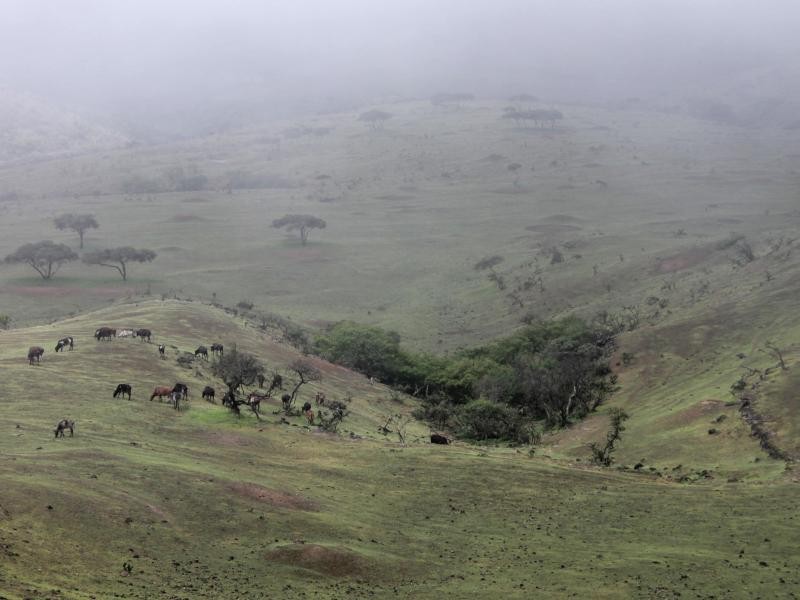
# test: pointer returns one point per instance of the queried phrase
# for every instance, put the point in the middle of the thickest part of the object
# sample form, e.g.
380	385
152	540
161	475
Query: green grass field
202	504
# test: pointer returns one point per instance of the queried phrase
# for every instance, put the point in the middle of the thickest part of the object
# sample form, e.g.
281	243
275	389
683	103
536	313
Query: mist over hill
163	70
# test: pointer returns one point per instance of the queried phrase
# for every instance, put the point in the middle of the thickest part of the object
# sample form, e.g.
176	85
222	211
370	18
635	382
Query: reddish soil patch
229	440
273	497
685	260
703	409
552	228
30	290
334	562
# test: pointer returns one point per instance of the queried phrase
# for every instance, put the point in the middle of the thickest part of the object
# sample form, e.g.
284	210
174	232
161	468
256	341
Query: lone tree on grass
237	368
305	372
375	118
118	258
302	223
77	223
603	456
45	257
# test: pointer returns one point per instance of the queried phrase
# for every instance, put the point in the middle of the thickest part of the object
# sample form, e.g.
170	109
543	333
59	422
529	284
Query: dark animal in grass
35	353
308	413
208	393
104	333
63	425
182	389
161	391
275	384
143	334
161	350
437	438
319	398
217	349
260	379
122	390
286	400
201	351
64	342
254	402
229	400
175	398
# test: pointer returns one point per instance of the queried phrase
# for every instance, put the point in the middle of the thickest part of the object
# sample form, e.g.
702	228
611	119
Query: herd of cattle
180	390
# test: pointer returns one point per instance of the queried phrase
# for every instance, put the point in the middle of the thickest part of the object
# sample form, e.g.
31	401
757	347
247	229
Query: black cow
201	351
437	438
105	333
217	349
181	388
161	350
144	334
63	425
123	389
208	393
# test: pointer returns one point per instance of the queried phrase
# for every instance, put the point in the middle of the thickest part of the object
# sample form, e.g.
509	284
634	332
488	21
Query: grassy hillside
201	504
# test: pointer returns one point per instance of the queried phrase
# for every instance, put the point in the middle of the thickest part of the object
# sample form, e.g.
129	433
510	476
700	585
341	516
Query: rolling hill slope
200	504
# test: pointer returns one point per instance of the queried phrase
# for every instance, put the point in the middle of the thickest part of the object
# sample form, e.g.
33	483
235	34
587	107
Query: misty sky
116	55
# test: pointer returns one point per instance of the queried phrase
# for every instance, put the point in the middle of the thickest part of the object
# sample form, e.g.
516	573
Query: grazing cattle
144	334
123	389
123	333
308	413
208	393
276	384
260	379
182	389
161	350
161	391
201	351
319	398
437	438
105	333
63	425
217	349
64	342
175	398
254	401
35	352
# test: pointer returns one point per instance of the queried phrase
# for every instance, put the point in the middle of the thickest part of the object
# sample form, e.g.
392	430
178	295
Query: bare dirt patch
229	440
702	410
552	228
332	561
272	497
55	291
684	260
186	218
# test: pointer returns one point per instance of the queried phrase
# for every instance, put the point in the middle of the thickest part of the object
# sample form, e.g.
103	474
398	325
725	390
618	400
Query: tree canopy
302	223
77	223
45	257
237	368
118	258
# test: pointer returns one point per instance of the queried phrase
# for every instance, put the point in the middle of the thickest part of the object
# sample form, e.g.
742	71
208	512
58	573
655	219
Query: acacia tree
305	372
375	118
77	223
118	258
237	368
302	223
45	257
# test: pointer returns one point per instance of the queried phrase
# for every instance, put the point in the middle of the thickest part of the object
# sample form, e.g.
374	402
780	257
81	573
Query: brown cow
35	352
161	391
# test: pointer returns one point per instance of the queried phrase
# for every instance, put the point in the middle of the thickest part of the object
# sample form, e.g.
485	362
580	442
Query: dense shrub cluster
549	373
